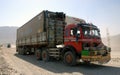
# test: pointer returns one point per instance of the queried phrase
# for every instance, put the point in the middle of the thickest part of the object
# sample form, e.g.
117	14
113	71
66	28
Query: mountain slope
7	34
114	42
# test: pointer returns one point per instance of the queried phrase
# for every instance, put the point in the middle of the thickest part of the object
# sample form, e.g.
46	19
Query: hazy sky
103	13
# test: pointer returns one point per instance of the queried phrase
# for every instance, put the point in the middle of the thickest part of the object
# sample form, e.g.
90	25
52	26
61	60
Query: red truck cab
84	42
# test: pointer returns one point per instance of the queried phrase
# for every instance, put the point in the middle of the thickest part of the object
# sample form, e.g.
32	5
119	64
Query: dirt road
28	65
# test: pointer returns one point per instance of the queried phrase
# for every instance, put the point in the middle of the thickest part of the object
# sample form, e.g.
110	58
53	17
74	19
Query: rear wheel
22	51
69	58
45	55
38	54
19	49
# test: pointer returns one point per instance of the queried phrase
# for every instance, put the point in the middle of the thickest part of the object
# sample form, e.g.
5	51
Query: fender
68	48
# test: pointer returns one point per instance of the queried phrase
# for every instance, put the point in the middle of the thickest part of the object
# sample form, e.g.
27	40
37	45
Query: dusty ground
13	64
5	68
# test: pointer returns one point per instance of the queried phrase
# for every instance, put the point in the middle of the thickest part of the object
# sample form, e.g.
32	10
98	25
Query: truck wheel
19	50
45	55
22	51
69	58
38	54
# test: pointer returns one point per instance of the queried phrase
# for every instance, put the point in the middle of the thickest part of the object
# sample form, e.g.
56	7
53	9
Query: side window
74	32
71	32
78	33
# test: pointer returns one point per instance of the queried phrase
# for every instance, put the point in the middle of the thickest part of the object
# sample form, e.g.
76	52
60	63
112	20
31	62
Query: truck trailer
54	35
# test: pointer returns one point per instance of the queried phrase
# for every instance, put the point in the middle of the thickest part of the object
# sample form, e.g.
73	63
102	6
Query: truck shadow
59	67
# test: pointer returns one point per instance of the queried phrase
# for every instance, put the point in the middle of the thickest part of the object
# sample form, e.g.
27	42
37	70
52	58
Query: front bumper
99	58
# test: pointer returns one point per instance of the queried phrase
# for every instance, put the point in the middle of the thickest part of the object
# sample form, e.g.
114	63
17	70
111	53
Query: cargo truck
54	35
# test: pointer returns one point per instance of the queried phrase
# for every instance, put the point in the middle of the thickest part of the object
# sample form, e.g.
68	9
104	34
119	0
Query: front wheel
69	58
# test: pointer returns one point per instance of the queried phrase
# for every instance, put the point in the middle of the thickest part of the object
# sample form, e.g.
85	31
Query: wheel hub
69	58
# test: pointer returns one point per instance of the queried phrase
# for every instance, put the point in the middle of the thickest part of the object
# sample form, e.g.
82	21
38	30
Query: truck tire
45	55
19	50
38	54
22	51
69	58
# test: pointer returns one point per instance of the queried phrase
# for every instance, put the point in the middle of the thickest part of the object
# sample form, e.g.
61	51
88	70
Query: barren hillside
114	42
7	34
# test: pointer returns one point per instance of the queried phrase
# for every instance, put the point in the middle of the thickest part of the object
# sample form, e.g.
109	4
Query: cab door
74	38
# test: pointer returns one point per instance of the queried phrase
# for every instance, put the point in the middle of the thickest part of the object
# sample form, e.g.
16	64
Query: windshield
91	32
